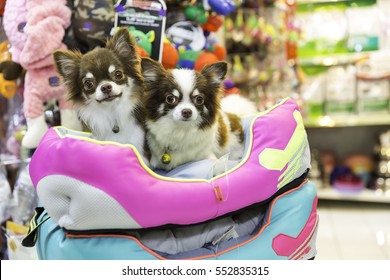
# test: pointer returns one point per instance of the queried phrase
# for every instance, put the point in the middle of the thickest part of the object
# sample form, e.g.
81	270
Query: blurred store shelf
366	195
334	59
303	2
352	120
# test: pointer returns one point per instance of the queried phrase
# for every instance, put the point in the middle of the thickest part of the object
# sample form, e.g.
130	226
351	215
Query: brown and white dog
106	86
184	119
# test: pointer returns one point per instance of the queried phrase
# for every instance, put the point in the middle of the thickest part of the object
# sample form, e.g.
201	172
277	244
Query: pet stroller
100	201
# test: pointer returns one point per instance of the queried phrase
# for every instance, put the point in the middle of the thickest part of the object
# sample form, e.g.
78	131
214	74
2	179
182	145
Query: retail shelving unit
336	136
350	133
344	136
349	121
366	195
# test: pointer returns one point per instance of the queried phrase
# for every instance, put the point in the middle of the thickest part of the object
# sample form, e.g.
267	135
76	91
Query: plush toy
144	41
212	54
203	59
219	51
35	28
170	56
14	21
9	71
192	59
141	52
238	73
213	23
46	22
41	85
187	34
230	87
187	58
196	13
7	88
92	22
221	7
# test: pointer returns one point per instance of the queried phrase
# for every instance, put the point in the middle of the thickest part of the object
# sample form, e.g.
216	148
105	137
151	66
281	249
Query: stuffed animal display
35	28
190	42
91	24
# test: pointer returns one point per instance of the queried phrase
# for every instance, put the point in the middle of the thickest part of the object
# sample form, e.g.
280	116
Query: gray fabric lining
209	237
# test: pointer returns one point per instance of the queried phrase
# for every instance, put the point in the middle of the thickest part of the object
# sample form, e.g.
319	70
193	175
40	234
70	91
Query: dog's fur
106	86
184	118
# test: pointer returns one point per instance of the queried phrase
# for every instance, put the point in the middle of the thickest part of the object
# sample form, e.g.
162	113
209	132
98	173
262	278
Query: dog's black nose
186	113
106	88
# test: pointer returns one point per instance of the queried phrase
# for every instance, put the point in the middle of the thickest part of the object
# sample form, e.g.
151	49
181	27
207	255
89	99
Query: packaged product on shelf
345	180
363	34
324	29
383	162
146	21
373	83
328	162
313	93
384	19
362	166
340	96
373	95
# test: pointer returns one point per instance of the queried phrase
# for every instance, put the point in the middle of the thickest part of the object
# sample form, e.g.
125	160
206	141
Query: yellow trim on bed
150	171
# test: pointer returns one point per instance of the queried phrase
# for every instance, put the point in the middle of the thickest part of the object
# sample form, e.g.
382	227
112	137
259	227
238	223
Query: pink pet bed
92	187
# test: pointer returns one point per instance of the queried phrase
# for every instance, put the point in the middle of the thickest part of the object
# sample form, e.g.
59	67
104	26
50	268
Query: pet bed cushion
86	184
285	228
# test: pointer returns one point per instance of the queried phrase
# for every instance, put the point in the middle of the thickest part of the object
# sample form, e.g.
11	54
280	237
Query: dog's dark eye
88	85
199	100
171	99
118	75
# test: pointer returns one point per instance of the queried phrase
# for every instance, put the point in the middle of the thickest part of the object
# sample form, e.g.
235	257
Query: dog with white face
184	120
106	86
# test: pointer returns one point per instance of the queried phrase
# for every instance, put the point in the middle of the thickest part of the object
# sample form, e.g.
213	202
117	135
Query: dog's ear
151	69
124	45
67	62
215	72
68	66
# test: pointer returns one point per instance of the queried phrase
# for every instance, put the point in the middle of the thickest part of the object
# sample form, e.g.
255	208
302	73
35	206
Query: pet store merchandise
346	92
200	130
346	111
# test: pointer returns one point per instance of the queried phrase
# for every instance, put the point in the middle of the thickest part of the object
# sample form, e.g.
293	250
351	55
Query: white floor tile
327	249
353	232
361	252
